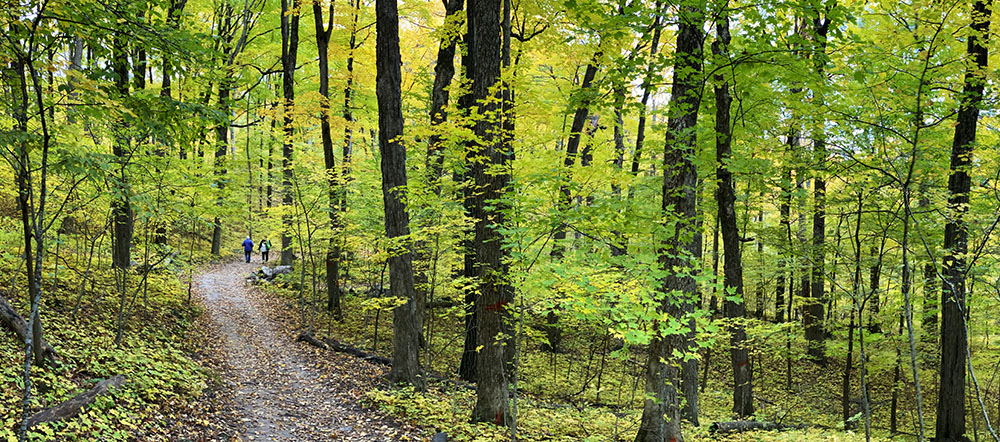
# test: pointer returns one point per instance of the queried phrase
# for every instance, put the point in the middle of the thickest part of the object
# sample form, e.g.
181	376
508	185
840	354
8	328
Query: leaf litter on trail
273	388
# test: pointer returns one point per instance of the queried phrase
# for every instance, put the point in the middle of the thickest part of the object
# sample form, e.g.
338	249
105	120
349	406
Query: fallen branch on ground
73	406
19	326
741	426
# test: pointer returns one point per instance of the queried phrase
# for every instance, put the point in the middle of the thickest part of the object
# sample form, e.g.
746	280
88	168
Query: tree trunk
490	176
813	313
289	51
121	207
661	409
467	367
954	340
333	251
784	211
733	267
552	331
405	337
221	145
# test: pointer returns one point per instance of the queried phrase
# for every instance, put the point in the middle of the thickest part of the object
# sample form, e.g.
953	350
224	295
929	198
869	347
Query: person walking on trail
247	248
265	246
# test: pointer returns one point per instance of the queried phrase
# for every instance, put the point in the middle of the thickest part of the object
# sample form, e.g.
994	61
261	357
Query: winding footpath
284	390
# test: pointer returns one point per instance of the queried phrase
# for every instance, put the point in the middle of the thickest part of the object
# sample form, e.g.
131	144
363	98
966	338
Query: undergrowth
155	355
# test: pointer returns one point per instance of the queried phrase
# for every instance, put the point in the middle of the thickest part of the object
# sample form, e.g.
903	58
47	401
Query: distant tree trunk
225	35
289	52
348	112
444	71
873	284
552	330
31	216
333	181
173	19
222	144
619	243
121	207
491	176
954	340
733	268
647	89
784	211
348	146
813	313
405	337
929	318
661	410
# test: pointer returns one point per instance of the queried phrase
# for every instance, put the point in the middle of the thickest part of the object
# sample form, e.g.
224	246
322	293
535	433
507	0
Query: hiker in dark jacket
247	248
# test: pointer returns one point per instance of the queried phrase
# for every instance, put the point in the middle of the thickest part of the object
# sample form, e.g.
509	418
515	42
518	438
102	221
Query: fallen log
357	352
19	326
331	344
73	406
741	426
311	340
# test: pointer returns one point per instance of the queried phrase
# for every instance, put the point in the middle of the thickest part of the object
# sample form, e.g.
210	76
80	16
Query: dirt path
286	391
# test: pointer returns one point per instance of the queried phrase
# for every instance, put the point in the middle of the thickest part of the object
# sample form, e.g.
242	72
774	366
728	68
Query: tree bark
813	313
289	52
467	367
74	405
490	176
661	410
733	267
954	332
333	251
121	207
406	334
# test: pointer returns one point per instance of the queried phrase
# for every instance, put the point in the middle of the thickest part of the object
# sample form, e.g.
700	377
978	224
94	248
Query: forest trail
284	390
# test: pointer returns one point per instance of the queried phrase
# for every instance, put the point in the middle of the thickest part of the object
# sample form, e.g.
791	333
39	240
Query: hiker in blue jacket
247	248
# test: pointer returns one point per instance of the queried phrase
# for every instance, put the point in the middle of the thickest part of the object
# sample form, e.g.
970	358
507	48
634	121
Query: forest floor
282	390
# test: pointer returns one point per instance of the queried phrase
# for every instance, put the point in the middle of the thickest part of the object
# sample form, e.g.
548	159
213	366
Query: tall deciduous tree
661	409
954	331
812	317
289	53
734	305
406	333
490	174
333	181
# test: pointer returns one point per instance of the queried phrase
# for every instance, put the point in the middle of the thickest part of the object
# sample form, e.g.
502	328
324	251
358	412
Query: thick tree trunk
490	177
954	340
333	181
406	334
661	410
289	52
733	267
467	367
